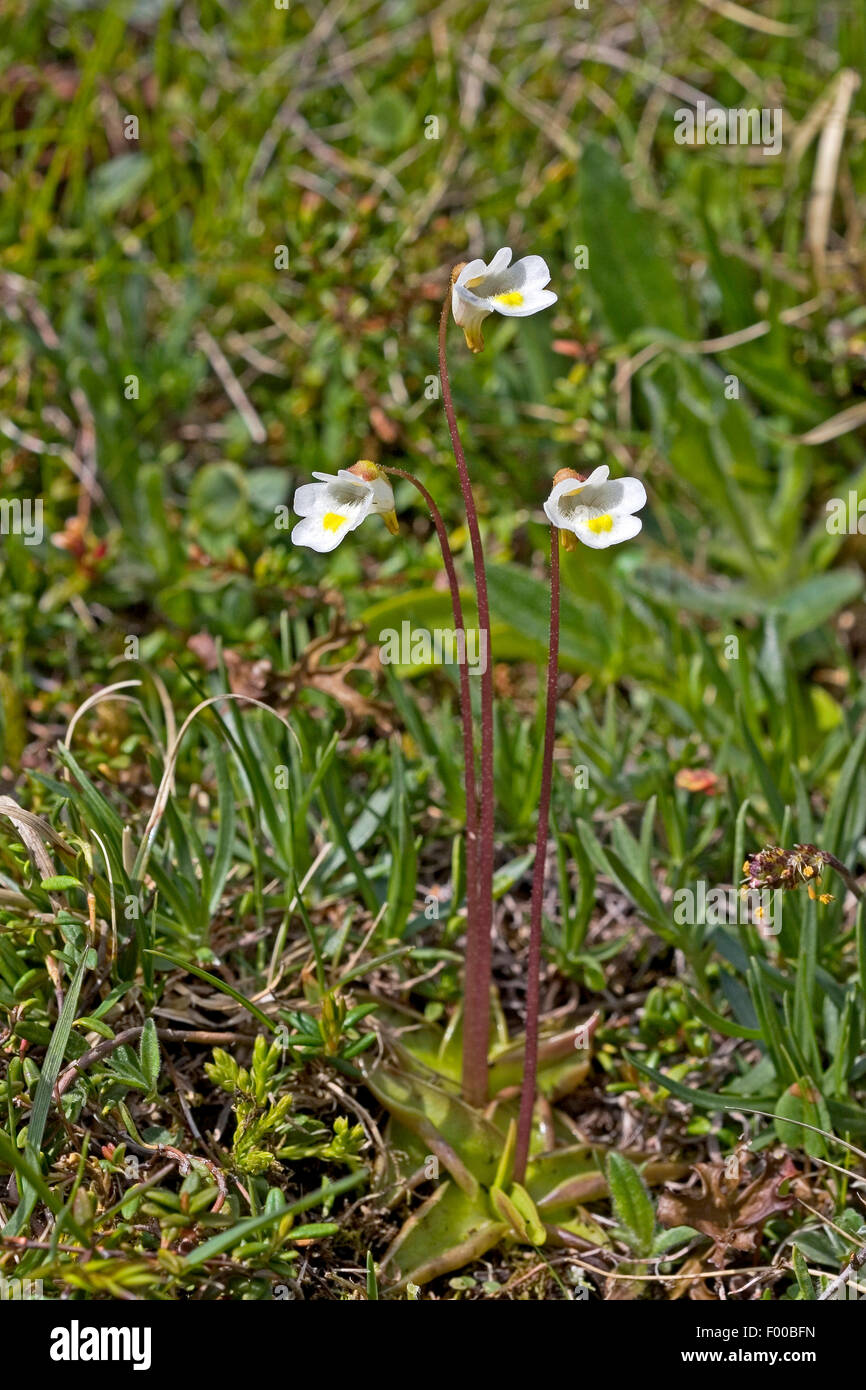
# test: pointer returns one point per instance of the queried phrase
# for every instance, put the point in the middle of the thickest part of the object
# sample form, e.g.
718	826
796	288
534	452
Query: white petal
630	495
553	513
306	498
383	495
500	261
467	304
311	533
619	496
528	276
622	529
598	475
482	280
352	479
348	494
471	271
531	272
533	301
568	486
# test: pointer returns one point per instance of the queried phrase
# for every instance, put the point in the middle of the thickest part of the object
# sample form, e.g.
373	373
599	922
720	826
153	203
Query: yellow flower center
597	524
332	521
511	299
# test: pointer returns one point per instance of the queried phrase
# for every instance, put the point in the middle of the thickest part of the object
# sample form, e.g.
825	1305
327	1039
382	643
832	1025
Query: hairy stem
844	873
476	1020
533	986
465	697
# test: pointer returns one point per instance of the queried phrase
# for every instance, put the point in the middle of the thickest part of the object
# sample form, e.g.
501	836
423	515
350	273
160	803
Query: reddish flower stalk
533	986
465	697
476	1019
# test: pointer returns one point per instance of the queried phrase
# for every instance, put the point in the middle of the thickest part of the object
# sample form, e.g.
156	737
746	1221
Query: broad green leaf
631	269
631	1202
804	1278
815	601
450	1230
149	1054
60	882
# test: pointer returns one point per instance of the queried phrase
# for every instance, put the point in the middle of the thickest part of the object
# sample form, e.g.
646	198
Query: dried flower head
775	867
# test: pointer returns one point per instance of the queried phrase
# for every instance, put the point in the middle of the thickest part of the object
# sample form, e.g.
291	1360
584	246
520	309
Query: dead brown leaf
730	1213
312	673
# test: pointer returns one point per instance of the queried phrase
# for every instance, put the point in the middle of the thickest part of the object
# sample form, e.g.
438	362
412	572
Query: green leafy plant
637	1226
266	1129
480	1204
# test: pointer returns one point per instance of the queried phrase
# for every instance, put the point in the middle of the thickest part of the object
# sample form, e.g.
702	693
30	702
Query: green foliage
636	1219
259	1120
266	1129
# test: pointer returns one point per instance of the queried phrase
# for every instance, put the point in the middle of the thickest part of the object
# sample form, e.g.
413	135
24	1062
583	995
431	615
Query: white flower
514	290
337	504
599	510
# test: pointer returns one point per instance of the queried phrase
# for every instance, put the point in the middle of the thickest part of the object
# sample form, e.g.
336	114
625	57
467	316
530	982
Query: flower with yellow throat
514	290
599	510
337	504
